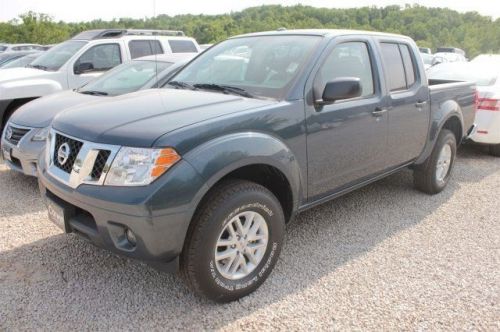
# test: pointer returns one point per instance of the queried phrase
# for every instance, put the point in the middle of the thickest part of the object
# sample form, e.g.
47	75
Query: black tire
198	265
425	175
495	150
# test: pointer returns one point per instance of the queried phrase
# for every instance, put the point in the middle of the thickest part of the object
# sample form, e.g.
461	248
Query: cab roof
323	33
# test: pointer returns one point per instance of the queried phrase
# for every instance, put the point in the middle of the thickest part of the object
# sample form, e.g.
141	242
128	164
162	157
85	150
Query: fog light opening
130	237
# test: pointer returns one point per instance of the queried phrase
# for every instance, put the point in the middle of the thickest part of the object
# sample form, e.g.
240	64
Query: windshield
482	75
2	48
21	62
263	66
57	56
6	58
128	77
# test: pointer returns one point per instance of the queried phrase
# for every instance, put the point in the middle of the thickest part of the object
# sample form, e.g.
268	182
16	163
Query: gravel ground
382	258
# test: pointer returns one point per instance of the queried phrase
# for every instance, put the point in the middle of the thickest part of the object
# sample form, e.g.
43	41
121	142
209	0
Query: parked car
8	57
77	61
21	47
487	77
451	50
443	57
425	50
427	59
206	174
486	58
22	61
32	119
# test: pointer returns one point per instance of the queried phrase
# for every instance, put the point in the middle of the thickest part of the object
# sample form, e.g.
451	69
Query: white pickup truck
76	61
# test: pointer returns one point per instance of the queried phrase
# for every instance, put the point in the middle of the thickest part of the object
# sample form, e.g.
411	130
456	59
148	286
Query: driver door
347	139
94	62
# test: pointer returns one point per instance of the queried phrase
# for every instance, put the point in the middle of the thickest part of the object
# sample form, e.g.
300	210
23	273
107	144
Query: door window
99	58
351	59
408	64
140	48
395	68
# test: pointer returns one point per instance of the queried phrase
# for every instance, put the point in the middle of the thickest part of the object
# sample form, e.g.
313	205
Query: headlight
140	166
41	134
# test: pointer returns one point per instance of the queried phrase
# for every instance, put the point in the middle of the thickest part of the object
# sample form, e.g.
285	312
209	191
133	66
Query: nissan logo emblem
8	133
63	154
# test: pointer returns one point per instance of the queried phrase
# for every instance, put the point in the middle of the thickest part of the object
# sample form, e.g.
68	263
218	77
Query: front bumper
158	214
24	155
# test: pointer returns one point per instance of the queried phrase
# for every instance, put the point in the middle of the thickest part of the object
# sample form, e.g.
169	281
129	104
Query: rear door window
395	68
408	64
140	48
182	46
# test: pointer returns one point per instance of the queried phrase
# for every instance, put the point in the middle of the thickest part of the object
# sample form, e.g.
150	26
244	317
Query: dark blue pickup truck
204	175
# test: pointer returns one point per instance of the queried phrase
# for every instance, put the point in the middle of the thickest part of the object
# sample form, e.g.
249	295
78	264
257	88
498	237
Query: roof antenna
155	51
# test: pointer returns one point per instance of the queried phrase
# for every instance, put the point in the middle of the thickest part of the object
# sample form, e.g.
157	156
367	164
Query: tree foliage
430	27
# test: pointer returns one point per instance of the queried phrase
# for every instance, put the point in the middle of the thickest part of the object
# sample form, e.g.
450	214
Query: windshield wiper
225	89
182	85
38	67
94	93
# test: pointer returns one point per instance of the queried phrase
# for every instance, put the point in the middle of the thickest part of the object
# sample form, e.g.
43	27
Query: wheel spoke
229	253
239	226
250	253
226	242
235	264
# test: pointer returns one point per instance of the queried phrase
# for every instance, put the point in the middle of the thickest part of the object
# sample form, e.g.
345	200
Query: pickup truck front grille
100	163
14	134
66	159
74	161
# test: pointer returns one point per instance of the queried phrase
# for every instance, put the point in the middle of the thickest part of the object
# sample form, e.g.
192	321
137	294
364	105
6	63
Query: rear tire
233	221
495	150
433	175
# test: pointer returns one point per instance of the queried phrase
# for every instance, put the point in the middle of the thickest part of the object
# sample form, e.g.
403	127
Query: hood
40	112
139	119
13	74
29	82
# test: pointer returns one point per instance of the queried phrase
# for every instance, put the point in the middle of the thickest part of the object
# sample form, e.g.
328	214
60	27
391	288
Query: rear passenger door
409	110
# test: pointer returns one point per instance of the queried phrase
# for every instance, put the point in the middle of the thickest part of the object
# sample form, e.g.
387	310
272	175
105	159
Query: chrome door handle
379	112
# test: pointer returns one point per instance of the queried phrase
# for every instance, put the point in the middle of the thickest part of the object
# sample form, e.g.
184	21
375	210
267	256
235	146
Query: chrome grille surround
83	169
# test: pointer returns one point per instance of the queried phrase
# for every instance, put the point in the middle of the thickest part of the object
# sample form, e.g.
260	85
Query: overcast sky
86	10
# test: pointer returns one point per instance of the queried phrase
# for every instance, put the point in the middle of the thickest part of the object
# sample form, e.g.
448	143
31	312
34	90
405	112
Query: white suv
76	61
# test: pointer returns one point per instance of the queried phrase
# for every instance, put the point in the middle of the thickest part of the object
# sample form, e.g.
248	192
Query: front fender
29	89
441	115
219	157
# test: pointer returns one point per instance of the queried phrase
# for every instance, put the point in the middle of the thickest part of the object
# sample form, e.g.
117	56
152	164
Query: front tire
495	150
233	242
434	174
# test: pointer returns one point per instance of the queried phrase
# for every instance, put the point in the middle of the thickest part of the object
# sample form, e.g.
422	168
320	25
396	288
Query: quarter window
351	59
182	46
100	58
140	48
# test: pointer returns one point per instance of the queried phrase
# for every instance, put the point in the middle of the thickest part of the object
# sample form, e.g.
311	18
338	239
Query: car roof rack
116	33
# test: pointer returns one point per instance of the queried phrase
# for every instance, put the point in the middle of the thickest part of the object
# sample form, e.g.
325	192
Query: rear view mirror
340	88
84	67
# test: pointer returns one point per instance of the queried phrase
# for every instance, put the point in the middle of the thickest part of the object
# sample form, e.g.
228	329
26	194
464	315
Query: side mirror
340	88
83	67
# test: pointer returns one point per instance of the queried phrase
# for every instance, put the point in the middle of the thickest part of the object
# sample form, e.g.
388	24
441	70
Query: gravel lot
384	257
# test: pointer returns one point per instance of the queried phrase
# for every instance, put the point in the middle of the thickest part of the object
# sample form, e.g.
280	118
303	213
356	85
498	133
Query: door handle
379	112
420	104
